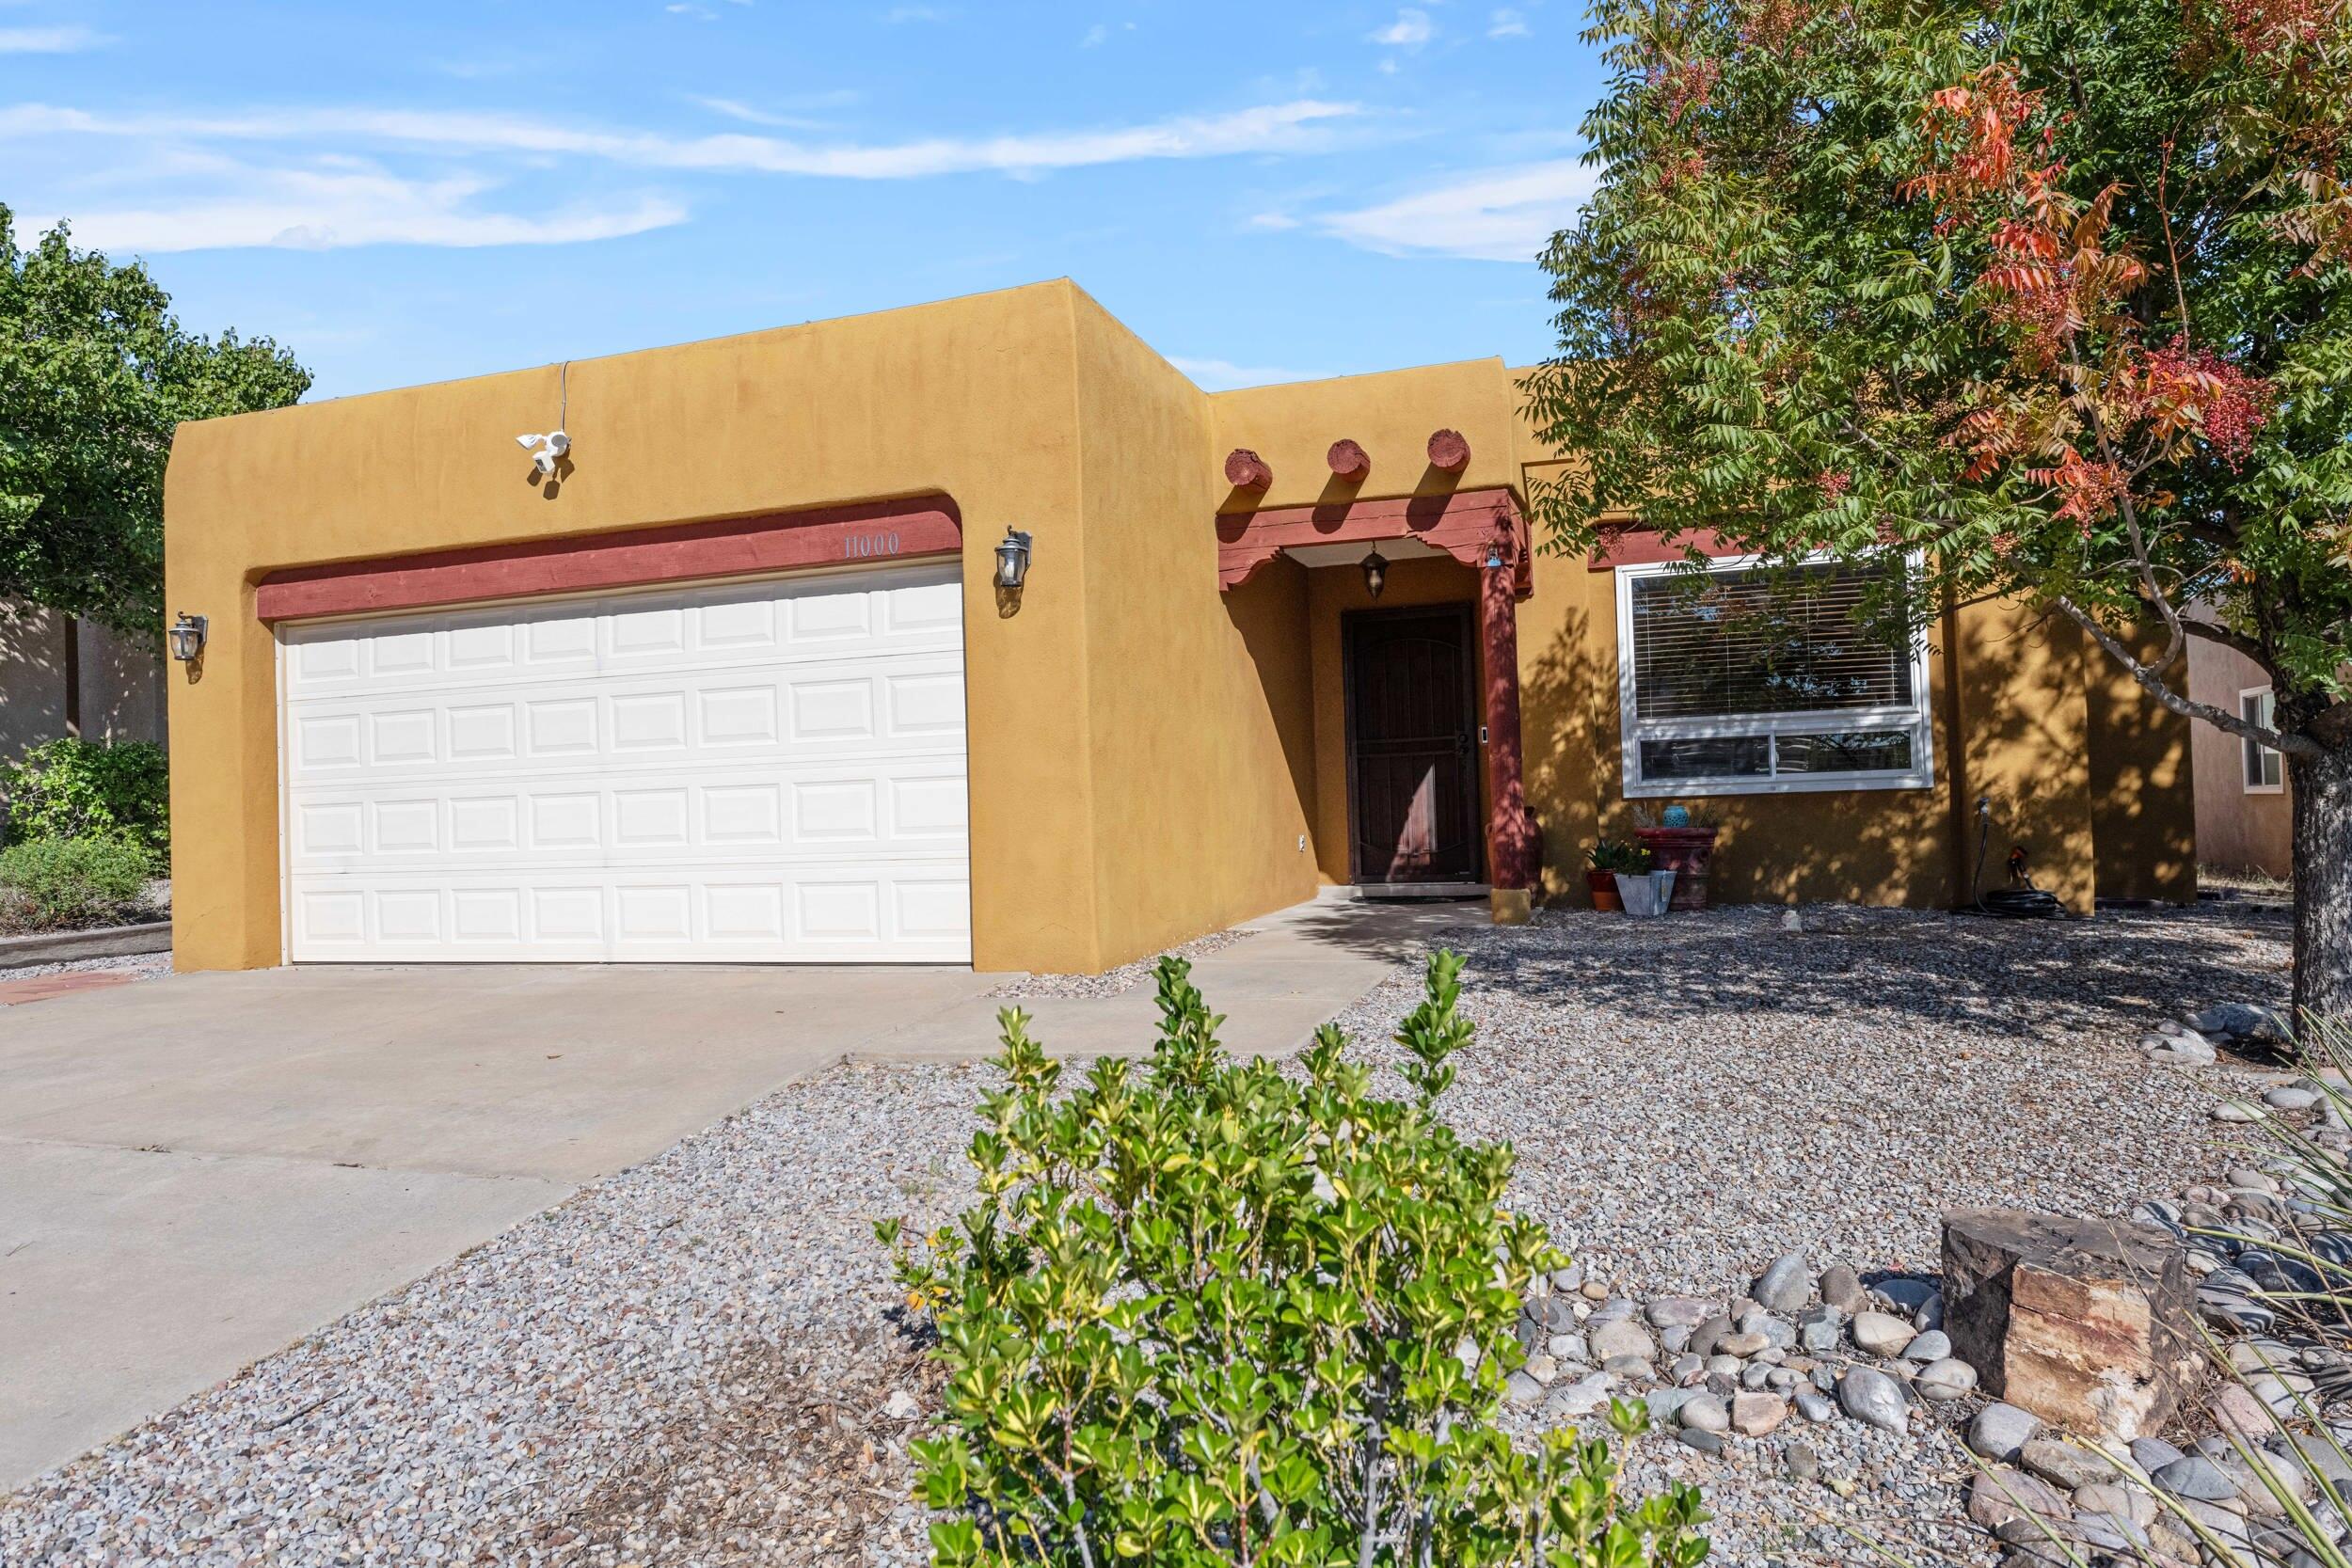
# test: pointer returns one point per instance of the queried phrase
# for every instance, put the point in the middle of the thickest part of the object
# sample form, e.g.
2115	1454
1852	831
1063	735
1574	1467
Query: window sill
2266	789
1694	789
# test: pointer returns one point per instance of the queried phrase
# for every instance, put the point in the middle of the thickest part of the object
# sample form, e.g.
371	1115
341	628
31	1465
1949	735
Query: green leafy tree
2056	293
95	374
1224	1316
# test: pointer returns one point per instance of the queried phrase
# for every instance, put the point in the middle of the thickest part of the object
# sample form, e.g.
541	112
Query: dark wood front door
1412	753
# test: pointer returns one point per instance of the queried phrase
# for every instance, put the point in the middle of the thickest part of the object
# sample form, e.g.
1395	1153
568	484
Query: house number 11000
865	547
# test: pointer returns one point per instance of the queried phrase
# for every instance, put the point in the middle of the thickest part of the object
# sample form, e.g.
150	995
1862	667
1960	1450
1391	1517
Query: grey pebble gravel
696	1360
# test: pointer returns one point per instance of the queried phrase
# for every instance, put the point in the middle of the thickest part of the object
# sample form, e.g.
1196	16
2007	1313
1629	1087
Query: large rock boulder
2088	1323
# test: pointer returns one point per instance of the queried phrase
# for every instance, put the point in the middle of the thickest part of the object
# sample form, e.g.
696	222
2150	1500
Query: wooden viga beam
1349	462
1246	470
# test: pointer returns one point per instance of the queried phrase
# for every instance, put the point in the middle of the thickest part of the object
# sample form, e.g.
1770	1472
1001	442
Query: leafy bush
54	883
71	789
1210	1314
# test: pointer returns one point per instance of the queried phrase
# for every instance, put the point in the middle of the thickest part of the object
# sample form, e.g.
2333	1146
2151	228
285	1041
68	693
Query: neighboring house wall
121	683
2237	828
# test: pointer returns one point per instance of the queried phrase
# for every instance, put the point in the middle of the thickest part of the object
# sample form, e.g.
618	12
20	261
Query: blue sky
406	192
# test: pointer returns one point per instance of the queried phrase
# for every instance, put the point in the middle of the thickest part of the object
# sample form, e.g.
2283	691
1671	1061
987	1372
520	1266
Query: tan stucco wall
2013	720
973	398
1146	751
2235	831
2143	799
1197	811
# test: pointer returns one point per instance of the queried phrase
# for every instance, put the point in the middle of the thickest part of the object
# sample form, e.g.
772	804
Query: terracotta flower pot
1603	885
1685	851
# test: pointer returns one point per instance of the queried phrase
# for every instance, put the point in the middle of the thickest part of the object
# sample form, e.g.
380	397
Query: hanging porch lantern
186	638
1012	559
1375	567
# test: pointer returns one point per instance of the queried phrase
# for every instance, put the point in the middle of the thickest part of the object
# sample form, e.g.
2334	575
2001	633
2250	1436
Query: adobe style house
739	680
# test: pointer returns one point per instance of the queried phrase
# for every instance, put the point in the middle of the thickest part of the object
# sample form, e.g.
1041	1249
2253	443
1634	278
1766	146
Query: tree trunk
2322	786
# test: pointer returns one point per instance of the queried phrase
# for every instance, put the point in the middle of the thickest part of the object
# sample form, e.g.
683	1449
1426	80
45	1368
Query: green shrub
54	883
72	789
1210	1314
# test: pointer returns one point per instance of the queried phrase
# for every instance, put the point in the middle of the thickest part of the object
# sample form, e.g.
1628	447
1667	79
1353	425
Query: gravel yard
139	966
1116	982
695	1362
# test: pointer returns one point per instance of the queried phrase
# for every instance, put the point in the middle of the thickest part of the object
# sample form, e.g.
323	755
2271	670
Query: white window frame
1916	716
2253	785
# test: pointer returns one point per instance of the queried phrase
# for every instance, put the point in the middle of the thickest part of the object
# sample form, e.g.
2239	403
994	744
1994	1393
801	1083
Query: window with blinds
1738	679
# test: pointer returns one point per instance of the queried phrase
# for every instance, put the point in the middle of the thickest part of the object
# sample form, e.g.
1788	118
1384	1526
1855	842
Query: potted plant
1603	861
1681	844
1646	894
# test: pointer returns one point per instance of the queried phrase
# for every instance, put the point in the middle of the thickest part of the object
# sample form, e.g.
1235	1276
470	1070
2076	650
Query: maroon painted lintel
1635	544
870	532
1465	524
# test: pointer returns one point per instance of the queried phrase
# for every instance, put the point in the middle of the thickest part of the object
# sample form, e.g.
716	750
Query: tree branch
2152	680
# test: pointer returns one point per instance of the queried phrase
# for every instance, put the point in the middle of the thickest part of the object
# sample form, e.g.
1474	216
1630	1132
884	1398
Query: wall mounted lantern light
1012	559
1375	573
1494	557
186	638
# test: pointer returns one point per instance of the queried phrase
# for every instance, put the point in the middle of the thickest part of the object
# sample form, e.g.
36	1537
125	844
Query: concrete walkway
197	1170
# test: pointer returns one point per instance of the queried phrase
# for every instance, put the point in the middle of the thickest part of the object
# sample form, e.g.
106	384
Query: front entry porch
1409	606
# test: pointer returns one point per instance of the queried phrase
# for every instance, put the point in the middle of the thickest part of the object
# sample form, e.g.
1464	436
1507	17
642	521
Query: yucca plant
1212	1313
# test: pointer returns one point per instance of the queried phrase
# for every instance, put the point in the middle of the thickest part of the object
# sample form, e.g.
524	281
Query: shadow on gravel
2050	980
793	1459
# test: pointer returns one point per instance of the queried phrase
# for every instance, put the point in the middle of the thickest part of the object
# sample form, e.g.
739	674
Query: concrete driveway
195	1171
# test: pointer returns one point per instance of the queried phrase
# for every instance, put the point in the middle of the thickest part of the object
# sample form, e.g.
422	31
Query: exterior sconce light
1012	559
1494	557
1375	573
186	638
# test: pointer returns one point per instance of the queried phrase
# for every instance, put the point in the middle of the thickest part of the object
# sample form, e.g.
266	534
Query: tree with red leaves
2055	297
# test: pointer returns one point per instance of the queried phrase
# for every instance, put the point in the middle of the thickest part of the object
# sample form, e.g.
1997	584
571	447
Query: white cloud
1219	376
1299	126
1506	24
1272	220
735	108
335	207
1495	215
1096	37
1410	30
70	39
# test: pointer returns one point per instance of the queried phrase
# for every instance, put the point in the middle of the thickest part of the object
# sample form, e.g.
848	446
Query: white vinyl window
1746	681
2264	768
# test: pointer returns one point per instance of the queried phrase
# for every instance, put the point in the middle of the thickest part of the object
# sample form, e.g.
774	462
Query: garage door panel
883	810
842	709
701	630
771	770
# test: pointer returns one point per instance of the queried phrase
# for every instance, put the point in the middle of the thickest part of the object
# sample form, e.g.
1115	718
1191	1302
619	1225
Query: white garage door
747	772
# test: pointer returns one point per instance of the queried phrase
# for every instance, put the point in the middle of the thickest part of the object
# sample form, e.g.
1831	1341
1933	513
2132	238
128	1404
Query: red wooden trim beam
827	536
1349	462
1464	525
1246	470
1633	545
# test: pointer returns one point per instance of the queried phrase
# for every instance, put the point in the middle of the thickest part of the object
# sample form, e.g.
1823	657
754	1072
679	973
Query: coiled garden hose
2021	899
